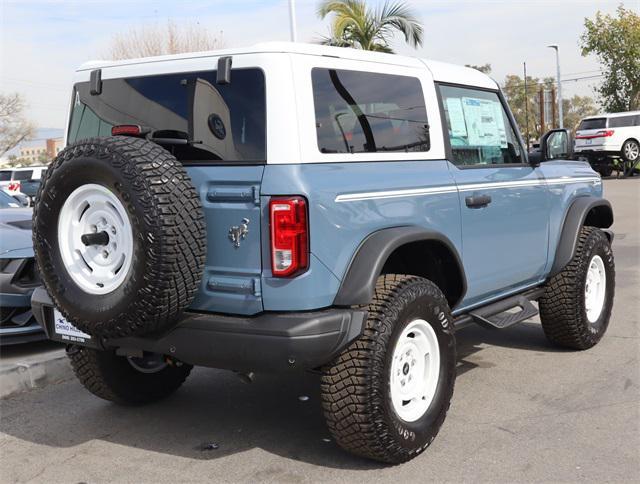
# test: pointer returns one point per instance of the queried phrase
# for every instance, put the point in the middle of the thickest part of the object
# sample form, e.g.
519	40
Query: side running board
495	315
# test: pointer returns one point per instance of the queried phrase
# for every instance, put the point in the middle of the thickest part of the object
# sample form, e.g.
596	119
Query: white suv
602	137
12	179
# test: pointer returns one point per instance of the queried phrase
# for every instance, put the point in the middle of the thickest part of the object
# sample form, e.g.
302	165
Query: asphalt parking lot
522	411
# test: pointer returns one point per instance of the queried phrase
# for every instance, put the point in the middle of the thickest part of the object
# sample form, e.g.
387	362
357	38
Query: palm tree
358	26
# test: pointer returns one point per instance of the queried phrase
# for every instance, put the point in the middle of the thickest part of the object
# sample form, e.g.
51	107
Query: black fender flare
589	210
359	283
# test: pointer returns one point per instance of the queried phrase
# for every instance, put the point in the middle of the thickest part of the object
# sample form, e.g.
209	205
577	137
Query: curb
33	371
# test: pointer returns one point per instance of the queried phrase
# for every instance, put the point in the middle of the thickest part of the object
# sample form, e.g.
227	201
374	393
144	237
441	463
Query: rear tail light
599	134
289	236
126	129
14	186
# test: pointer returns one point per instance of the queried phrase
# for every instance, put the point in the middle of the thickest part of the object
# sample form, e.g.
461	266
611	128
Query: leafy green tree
514	91
356	25
616	43
577	108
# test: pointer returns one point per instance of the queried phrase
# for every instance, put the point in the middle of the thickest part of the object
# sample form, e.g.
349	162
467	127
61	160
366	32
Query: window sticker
456	117
485	123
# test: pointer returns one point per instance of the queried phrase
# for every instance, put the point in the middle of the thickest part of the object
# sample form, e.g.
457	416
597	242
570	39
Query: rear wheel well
432	260
599	216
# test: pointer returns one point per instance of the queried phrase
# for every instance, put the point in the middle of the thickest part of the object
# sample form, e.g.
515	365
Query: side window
478	127
23	175
359	112
622	121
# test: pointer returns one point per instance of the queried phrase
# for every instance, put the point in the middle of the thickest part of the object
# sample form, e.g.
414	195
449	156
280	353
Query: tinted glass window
360	112
622	121
220	121
478	127
595	123
23	175
5	175
7	201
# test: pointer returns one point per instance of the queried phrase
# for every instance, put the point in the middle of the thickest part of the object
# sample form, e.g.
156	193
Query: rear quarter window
358	112
5	175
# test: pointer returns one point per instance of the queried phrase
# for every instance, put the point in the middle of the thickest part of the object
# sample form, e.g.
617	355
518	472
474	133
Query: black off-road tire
112	377
562	307
167	222
356	386
605	170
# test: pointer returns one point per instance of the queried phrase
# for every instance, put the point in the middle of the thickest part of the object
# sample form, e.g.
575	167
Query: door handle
478	201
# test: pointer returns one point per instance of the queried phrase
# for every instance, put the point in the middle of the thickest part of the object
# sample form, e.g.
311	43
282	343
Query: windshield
7	201
595	123
219	121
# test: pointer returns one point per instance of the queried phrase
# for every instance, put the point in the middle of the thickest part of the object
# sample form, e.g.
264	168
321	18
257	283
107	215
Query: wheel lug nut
113	230
105	254
94	228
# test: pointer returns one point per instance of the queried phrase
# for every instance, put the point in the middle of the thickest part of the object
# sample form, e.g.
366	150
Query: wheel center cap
405	369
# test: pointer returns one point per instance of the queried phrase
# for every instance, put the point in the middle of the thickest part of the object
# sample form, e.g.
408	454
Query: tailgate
230	197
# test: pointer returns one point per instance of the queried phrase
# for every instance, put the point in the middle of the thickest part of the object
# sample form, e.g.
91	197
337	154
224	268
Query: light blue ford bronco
295	207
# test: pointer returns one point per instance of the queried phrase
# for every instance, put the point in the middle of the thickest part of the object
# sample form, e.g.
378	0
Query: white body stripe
417	192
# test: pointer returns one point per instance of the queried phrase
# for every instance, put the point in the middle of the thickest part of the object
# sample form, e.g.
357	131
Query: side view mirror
556	144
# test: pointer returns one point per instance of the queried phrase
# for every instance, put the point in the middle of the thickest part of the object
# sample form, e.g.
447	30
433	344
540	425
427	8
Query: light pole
555	47
292	19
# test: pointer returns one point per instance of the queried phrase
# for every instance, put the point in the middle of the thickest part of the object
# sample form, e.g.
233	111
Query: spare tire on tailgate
119	236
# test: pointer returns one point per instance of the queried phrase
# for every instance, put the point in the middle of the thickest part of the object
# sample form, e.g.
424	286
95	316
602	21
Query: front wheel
576	306
386	396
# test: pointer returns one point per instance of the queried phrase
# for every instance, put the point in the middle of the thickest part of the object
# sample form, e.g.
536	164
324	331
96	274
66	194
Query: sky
43	41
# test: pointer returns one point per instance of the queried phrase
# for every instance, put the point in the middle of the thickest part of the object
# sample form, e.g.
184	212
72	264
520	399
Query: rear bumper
266	342
596	151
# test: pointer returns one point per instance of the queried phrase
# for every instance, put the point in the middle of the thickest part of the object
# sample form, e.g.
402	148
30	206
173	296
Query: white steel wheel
415	369
95	239
595	288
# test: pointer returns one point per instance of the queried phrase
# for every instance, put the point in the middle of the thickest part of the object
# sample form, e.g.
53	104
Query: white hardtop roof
613	115
441	71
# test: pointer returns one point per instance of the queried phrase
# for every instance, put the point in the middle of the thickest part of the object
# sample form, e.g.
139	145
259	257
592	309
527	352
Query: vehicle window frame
421	91
247	162
512	123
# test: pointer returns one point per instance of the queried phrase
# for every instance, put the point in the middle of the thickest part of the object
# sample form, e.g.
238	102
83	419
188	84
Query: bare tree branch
14	127
162	40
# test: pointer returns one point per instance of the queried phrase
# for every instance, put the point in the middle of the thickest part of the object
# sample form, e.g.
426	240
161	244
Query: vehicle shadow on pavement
212	416
216	415
524	336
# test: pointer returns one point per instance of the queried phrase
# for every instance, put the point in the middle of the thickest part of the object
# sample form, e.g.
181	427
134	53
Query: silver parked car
18	274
